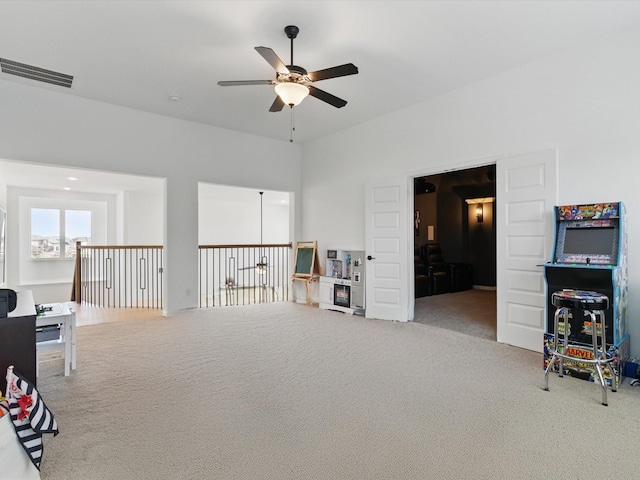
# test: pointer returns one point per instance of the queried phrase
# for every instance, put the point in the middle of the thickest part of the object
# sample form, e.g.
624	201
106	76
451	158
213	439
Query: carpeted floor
472	312
285	391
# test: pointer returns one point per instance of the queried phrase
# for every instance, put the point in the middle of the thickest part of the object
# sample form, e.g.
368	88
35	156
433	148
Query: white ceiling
139	53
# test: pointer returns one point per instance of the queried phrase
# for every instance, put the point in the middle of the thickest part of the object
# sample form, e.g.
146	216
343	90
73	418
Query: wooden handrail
119	247
76	294
247	245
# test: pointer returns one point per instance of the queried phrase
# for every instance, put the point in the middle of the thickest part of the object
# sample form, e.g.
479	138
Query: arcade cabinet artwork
590	254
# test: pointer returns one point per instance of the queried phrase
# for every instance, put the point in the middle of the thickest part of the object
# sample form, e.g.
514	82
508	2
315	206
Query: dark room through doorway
455	250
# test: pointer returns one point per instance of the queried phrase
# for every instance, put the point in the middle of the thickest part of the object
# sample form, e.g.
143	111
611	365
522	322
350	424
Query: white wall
41	126
143	218
585	102
3	193
3	208
231	216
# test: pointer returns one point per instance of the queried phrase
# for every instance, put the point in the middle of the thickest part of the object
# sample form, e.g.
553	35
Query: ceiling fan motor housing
291	31
296	74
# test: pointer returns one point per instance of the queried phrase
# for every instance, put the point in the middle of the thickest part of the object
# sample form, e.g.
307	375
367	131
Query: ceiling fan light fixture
261	267
291	93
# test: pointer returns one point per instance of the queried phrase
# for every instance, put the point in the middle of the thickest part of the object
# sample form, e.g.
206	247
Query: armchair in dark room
438	271
421	275
461	276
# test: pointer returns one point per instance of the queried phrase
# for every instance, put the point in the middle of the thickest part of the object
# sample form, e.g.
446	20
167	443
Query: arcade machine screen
590	241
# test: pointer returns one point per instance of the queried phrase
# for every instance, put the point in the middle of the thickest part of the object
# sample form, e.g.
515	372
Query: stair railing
118	276
243	274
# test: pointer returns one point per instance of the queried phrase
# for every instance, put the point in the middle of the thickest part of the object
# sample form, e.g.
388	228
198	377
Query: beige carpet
285	391
471	311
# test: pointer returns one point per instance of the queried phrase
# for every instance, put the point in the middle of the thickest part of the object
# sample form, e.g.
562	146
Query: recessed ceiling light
72	178
175	98
67	188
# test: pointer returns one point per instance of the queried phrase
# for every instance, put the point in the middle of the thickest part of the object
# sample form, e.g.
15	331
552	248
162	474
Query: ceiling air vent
35	73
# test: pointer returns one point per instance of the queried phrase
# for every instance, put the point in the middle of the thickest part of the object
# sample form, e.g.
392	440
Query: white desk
59	314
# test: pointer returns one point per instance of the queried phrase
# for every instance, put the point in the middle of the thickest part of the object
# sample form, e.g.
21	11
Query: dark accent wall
427	205
482	245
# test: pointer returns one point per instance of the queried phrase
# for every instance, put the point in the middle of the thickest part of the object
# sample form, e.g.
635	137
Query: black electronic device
8	301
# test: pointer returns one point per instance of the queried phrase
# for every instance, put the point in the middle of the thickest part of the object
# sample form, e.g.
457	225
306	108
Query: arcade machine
590	254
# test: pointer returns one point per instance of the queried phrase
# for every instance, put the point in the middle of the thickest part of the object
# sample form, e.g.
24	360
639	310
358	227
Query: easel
306	269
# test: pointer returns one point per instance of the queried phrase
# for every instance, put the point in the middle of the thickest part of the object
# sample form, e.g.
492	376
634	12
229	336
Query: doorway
244	245
455	211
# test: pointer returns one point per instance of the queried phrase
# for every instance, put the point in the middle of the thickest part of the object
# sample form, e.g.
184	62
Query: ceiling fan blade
257	265
273	59
326	97
277	104
235	83
333	72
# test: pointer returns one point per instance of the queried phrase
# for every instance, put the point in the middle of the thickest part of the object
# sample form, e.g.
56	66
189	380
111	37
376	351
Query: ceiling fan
293	83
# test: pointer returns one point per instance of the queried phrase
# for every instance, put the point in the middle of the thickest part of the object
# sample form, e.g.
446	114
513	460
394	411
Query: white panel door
527	193
388	293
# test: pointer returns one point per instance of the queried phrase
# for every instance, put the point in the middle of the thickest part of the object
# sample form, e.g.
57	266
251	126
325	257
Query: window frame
62	232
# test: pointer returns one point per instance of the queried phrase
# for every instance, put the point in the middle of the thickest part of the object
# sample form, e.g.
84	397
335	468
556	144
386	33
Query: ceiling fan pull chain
293	127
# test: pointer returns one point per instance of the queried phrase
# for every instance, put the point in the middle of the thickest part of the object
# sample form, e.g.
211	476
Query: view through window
54	232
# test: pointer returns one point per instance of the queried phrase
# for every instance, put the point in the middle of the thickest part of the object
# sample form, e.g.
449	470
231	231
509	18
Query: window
54	232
